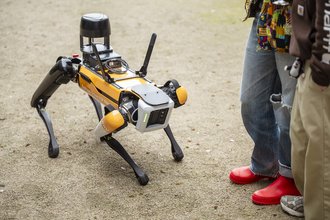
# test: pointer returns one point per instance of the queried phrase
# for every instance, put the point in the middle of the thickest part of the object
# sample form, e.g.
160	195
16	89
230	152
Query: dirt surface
200	43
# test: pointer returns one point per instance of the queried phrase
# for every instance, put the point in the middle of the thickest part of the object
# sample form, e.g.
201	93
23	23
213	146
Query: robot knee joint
110	123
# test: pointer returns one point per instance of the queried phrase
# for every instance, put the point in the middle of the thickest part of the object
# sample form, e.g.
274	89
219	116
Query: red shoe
271	195
243	175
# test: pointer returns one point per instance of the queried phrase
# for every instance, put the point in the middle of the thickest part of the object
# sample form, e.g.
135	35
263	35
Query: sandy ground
200	43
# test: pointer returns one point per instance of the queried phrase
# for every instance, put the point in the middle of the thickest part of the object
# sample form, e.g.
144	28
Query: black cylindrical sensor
95	25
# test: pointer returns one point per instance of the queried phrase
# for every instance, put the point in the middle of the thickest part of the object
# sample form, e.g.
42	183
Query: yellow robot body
119	94
105	92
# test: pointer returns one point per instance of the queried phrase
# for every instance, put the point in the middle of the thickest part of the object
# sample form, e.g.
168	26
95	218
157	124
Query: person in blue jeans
266	96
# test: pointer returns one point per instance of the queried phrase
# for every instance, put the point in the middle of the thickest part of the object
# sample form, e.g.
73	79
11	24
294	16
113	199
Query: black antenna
143	71
106	77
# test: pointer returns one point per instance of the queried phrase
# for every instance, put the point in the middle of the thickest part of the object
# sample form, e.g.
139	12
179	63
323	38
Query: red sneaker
271	195
243	175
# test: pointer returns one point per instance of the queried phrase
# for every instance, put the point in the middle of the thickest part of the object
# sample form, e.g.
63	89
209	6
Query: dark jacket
310	39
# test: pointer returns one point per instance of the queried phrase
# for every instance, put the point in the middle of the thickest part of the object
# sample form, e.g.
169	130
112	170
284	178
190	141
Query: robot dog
127	96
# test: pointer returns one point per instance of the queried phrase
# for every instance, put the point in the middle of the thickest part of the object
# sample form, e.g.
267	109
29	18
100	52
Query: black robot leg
176	150
98	107
61	73
116	146
53	147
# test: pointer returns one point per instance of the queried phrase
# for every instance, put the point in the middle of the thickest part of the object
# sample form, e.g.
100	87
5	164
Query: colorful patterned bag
274	26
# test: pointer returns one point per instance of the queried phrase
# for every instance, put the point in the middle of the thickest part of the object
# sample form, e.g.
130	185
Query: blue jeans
266	96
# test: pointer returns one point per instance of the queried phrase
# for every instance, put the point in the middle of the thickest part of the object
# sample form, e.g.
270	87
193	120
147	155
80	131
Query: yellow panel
129	83
99	83
110	92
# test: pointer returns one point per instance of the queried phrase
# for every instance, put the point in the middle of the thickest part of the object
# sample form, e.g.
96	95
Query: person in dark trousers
310	124
266	96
